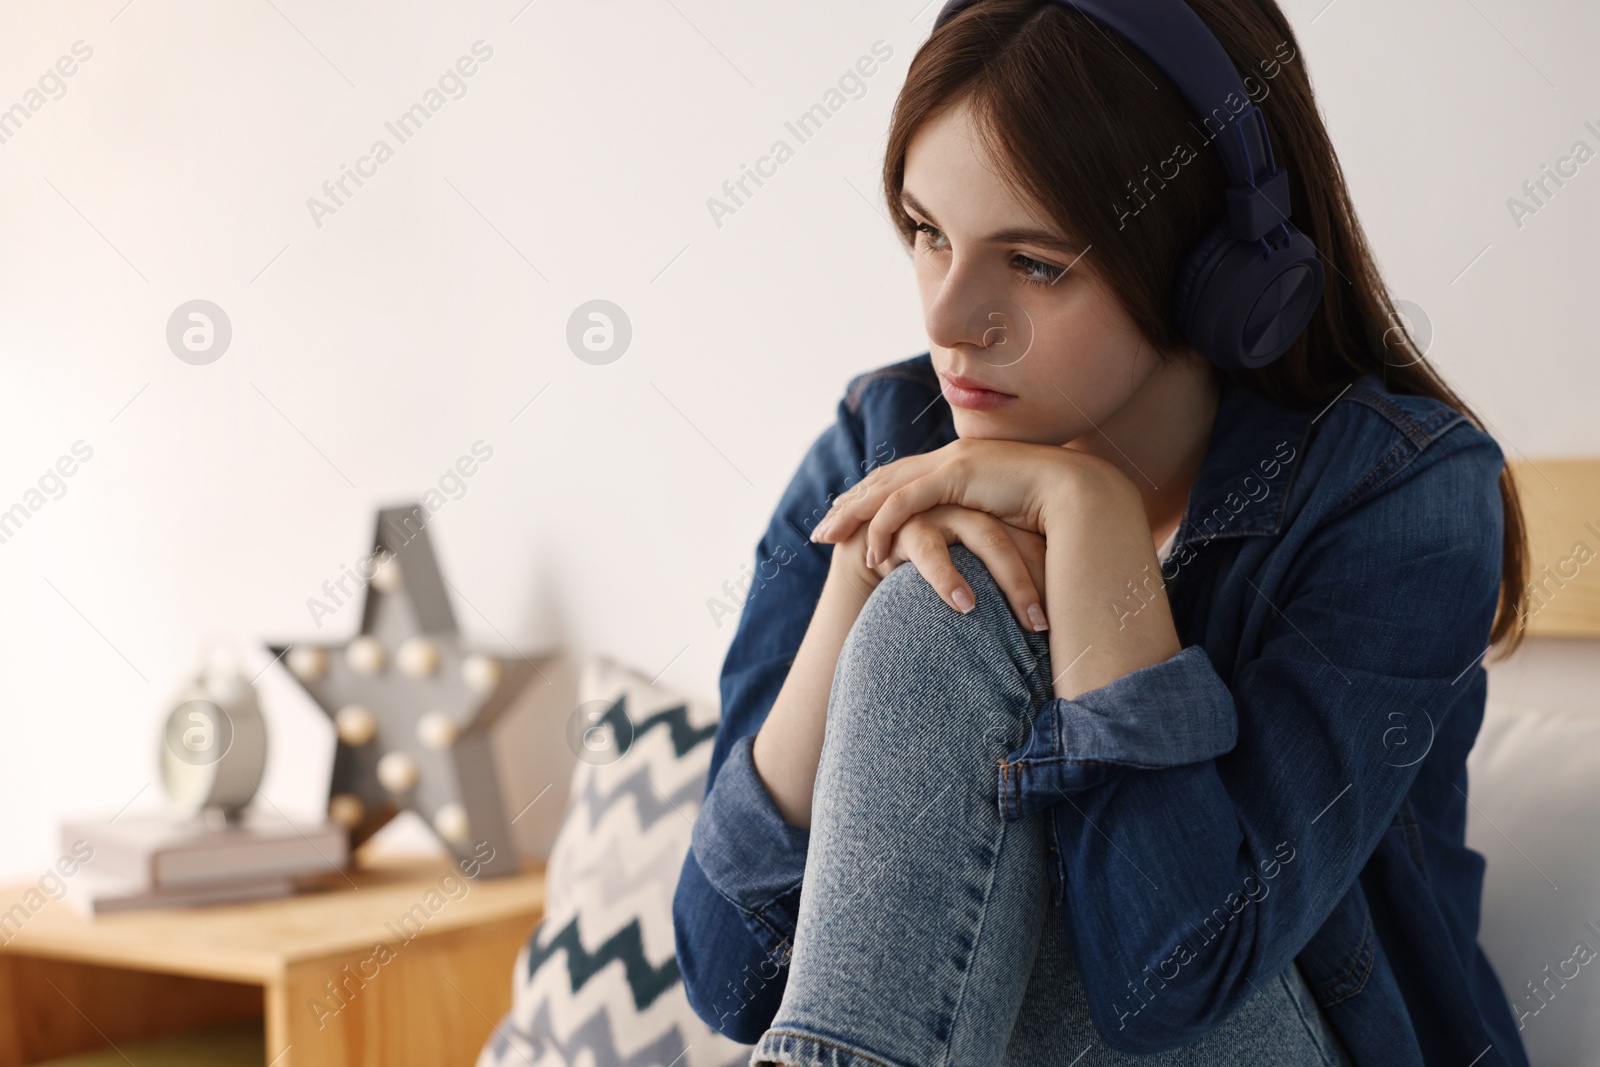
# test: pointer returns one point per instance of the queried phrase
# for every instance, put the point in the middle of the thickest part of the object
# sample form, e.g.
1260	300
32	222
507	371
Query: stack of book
165	861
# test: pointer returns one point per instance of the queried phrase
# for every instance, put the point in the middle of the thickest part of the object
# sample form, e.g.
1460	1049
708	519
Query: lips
964	392
973	385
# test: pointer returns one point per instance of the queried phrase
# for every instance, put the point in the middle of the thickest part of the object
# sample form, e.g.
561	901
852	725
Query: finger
857	503
1031	547
860	502
897	555
924	545
941	485
988	539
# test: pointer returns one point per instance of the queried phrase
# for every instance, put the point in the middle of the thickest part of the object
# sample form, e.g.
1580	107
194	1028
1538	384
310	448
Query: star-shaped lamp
412	708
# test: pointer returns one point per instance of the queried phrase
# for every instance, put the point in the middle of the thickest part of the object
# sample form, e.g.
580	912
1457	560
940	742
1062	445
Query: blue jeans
926	935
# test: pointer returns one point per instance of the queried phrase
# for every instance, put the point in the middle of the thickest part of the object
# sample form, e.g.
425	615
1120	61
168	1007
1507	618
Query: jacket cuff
749	854
1168	714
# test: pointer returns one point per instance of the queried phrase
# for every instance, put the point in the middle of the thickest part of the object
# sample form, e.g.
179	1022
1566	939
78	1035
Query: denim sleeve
749	852
737	900
739	889
1205	831
1126	724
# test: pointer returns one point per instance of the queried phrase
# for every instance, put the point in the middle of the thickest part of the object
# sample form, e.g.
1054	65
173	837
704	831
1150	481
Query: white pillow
597	984
1534	779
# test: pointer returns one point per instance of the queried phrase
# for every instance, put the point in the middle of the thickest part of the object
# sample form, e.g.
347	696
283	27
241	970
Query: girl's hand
1092	516
1015	557
1013	481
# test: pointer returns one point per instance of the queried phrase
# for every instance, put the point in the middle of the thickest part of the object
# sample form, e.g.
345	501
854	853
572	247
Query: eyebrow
1043	238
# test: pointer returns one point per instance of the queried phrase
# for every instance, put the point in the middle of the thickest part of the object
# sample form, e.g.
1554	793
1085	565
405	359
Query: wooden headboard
1561	503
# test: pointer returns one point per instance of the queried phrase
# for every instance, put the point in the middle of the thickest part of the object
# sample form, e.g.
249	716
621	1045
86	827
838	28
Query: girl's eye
933	235
1035	272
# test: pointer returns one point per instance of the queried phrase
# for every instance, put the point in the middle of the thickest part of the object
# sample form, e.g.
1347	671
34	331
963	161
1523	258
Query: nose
970	310
954	316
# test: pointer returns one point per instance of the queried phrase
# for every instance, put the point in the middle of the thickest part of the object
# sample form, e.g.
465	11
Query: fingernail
872	556
1036	616
821	528
963	600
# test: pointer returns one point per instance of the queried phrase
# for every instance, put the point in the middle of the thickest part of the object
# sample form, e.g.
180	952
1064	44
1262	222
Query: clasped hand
1003	500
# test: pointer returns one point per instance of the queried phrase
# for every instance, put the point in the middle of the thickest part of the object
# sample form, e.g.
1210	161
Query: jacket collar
1256	448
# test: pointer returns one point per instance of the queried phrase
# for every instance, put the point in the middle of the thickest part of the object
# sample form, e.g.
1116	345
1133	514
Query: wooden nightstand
372	970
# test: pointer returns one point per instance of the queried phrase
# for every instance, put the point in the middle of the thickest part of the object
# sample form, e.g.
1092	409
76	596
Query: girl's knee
907	631
905	604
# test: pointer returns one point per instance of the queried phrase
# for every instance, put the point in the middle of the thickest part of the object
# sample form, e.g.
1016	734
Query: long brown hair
1103	142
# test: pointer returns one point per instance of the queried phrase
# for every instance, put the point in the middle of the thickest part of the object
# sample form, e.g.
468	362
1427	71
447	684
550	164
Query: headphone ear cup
1241	304
1200	263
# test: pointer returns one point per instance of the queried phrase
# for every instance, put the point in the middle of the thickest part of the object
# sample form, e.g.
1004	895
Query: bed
1534	777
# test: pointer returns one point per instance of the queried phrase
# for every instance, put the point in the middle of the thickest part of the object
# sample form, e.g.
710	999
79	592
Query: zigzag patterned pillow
598	983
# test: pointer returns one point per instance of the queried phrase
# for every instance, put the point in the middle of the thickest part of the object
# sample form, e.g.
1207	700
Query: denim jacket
1291	785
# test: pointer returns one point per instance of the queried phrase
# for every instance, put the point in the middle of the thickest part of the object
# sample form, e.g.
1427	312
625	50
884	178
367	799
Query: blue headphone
1249	287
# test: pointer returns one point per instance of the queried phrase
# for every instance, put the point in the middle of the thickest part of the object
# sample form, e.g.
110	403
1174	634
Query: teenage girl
1120	713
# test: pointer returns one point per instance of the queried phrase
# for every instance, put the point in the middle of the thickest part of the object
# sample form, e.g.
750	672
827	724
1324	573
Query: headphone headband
1183	48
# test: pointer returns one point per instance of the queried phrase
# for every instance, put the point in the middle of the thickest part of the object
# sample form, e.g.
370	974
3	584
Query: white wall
371	351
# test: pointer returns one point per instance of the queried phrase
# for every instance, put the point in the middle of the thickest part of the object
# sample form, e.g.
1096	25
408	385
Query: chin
987	426
990	426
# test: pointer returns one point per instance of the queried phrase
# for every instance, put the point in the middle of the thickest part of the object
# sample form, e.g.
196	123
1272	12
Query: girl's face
1028	343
